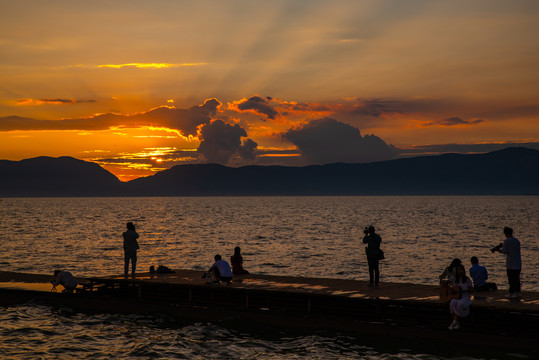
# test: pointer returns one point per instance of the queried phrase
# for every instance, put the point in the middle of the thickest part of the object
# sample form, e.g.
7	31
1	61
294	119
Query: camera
366	230
496	248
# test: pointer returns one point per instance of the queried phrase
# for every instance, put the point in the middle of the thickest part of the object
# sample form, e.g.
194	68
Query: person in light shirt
479	274
513	262
221	269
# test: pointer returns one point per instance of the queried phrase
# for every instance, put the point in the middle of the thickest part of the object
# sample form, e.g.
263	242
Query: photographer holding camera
374	254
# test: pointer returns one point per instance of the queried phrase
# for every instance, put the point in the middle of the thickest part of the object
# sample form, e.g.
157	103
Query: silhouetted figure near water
66	279
479	274
237	262
373	251
460	307
450	271
511	247
130	248
221	269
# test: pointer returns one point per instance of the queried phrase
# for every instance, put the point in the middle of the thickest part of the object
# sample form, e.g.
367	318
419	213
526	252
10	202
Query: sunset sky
139	86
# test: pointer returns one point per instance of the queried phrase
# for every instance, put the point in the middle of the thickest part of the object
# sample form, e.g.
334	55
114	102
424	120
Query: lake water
302	236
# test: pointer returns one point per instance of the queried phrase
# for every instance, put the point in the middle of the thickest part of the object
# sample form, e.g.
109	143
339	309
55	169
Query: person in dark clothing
66	279
450	271
236	261
130	248
373	241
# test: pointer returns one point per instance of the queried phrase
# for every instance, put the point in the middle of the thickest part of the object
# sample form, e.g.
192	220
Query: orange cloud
149	65
35	102
256	105
184	122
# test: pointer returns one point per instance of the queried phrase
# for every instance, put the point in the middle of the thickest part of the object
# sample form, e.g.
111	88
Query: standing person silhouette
130	248
513	262
373	241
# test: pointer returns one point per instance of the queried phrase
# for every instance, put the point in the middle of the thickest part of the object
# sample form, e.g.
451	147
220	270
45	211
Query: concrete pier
392	310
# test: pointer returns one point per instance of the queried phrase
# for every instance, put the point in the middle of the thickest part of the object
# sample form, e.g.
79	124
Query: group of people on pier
453	278
461	287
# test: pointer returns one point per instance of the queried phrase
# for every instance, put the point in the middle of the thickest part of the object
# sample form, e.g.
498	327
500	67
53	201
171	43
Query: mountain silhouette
63	176
512	171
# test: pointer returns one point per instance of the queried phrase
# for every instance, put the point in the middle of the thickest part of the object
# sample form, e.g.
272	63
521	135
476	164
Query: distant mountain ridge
512	171
64	176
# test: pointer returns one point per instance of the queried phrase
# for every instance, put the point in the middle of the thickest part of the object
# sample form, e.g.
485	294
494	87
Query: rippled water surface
41	332
305	236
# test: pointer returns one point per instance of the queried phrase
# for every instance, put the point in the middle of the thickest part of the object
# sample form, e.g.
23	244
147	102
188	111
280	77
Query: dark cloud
248	149
184	120
305	107
221	141
376	108
259	105
328	141
454	121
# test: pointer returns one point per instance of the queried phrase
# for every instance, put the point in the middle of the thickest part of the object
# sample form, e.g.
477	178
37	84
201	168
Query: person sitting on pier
460	307
66	279
450	271
479	274
237	262
221	269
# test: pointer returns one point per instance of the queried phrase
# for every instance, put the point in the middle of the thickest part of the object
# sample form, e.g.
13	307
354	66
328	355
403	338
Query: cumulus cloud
221	141
454	121
186	121
328	141
258	105
248	150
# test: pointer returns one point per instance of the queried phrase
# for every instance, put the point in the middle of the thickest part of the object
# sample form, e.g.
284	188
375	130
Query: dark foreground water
305	236
39	332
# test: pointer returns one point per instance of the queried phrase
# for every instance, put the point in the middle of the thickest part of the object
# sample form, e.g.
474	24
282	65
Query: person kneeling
64	278
221	269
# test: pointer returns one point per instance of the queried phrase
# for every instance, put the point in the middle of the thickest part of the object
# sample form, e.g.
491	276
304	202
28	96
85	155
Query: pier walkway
392	310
